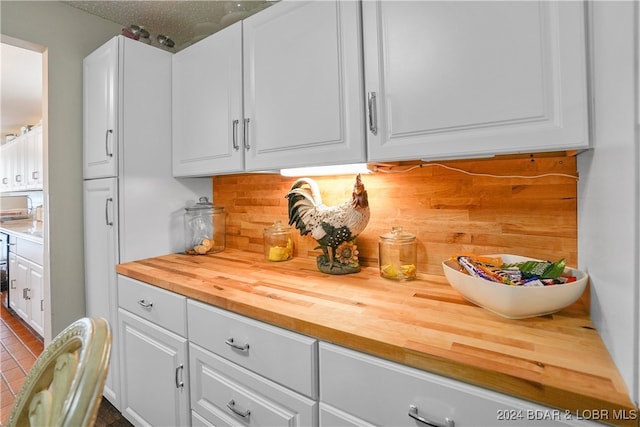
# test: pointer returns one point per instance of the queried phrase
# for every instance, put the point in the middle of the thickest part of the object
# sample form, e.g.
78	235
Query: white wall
68	35
608	187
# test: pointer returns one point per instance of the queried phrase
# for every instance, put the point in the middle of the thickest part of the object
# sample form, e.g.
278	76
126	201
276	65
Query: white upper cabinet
99	104
302	85
34	159
460	79
282	88
21	162
207	105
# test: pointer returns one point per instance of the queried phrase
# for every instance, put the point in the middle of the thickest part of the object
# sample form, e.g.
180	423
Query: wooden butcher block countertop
557	360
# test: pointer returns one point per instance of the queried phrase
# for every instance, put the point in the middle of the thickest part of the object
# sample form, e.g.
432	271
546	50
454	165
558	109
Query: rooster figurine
333	227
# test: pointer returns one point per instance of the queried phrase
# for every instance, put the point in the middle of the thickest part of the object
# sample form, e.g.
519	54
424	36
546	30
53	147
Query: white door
21	276
36	298
34	160
207	105
100	258
14	292
4	167
459	79
155	374
303	98
17	152
100	139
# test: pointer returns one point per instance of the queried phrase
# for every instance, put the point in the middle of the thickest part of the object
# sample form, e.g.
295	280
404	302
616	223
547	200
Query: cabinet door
100	259
21	275
17	180
5	172
34	161
100	85
303	85
14	292
207	105
358	386
35	298
460	79
226	394
155	374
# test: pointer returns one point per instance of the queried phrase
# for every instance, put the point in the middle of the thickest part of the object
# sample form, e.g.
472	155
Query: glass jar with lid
397	255
278	245
204	228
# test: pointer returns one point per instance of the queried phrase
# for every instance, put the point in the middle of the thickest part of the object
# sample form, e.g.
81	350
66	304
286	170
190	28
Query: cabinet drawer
156	305
386	393
32	251
223	393
285	357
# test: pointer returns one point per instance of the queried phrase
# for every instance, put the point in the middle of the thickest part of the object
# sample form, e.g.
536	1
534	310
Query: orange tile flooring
19	348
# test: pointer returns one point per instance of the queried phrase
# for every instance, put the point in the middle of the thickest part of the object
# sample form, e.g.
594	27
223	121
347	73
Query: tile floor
19	348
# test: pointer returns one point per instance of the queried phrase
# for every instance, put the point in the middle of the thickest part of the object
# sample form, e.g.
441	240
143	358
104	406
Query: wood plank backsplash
449	211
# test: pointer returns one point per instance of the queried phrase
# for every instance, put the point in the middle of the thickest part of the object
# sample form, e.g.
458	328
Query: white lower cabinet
361	390
188	363
225	394
26	282
245	372
154	359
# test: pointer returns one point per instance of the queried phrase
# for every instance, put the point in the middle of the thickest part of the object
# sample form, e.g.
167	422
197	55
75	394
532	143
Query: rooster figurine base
335	228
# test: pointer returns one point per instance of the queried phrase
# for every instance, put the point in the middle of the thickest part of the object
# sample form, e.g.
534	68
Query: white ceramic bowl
515	302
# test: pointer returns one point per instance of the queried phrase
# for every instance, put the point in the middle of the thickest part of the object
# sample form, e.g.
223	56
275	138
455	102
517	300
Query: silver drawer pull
179	382
107	201
373	113
145	304
229	342
413	413
106	143
245	134
235	123
232	406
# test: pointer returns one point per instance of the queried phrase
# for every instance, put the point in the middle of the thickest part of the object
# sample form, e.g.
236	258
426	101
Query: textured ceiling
185	22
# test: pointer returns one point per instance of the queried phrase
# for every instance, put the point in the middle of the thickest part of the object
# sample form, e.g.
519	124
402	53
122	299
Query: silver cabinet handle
179	370
5	180
106	143
373	113
13	281
18	178
145	304
232	406
413	413
245	136
106	211
41	305
35	175
231	343
236	146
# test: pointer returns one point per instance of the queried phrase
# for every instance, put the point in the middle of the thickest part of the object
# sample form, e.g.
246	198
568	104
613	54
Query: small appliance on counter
204	228
13	208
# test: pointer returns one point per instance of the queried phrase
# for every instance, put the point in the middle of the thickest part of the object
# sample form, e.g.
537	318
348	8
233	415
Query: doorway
23	118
